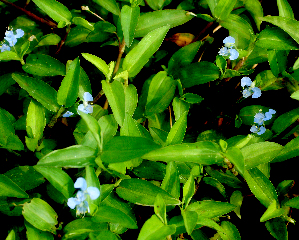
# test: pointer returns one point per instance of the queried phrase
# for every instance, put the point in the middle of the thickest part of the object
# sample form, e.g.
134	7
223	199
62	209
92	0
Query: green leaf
76	156
179	107
33	233
260	186
10	189
277	228
41	215
178	130
289	25
284	8
124	148
83	22
259	153
129	19
157	19
58	178
278	61
160	93
231	232
171	181
109	5
200	152
235	156
295	95
198	73
114	215
102	31
255	9
190	220
38	89
239	25
98	62
57	11
247	113
9	55
294	203
116	97
142	192
49	39
11	235
266	80
285	120
276	38
192	98
236	199
160	208
272	212
35	120
43	65
215	183
210	209
140	54
76	36
154	229
290	150
131	99
224	8
188	190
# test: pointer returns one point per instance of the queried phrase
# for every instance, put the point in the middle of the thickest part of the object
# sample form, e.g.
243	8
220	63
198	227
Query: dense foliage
149	119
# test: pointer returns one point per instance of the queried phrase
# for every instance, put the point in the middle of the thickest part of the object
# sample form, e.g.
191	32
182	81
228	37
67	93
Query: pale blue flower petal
246	93
259	118
93	192
81	196
20	33
254	129
229	41
73	202
256	92
262	130
67	114
223	51
269	114
87	97
4	48
234	54
89	108
245	81
81	183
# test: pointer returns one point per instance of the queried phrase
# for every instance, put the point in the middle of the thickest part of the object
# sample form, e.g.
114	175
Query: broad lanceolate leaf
41	215
198	73
188	190
259	153
43	65
178	130
254	7
154	229
284	8
109	5
160	208
200	152
10	189
57	11
123	148
153	20
289	25
131	99
116	97
235	156
294	203
285	120
35	120
76	156
272	211
98	62
58	178
160	93
83	22
49	39
224	8
278	61
190	220
33	233
290	150
143	192
230	230
260	186
129	19
140	54
39	90
171	181
278	229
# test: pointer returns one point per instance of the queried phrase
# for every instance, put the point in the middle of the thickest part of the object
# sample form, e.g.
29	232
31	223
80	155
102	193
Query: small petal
256	92
73	202
223	51
254	129
4	48
246	93
234	54
87	97
93	192
269	114
81	183
262	130
229	41
86	109
259	118
245	81
20	33
80	196
67	114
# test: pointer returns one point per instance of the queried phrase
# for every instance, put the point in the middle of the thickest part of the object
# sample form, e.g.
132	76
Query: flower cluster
11	38
80	200
259	119
249	88
229	48
85	107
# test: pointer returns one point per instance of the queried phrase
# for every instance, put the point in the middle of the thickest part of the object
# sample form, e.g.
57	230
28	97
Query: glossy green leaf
295	95
260	186
11	235
76	156
160	208
224	8
140	54
239	25
131	99
259	153
200	152
57	11
188	190
83	22
179	107
190	220
294	203
192	98
38	89
255	8
102	31
10	189
278	61
216	184
210	209
41	215
231	232
153	20
98	62
285	120
198	73
275	38
114	215
5	81
109	5
150	170
49	39
160	93
235	156
132	128
266	80
171	181
284	8
154	229
290	150
277	228
289	25
178	130
76	36
129	19
124	148
272	212
116	97
58	178
236	199
33	233
9	55
43	65
142	192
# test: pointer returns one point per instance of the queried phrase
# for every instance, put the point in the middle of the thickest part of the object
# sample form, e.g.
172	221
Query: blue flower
229	48
259	119
224	51
256	92
229	41
268	115
86	107
11	38
80	200
234	54
4	47
249	88
261	130
67	114
246	81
